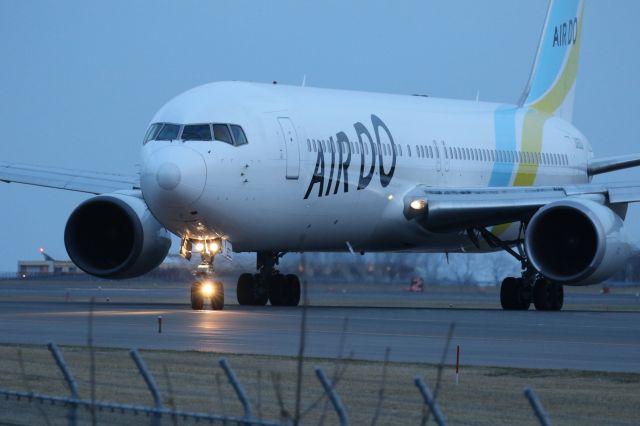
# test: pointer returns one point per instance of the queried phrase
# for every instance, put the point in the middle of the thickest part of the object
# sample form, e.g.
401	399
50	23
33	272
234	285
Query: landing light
418	204
208	290
214	247
199	247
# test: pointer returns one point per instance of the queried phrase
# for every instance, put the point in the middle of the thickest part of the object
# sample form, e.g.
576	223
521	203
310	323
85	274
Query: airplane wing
452	209
67	179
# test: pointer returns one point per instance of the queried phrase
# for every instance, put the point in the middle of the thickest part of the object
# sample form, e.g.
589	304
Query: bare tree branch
170	401
383	384
445	352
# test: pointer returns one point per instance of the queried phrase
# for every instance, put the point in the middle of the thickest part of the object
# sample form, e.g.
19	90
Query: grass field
194	381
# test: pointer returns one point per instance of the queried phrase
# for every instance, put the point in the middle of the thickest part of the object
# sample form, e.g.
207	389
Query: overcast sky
79	80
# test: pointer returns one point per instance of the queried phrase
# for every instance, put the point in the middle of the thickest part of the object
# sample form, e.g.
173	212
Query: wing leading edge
454	209
67	179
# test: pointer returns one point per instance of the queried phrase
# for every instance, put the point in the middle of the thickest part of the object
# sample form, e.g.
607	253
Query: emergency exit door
292	148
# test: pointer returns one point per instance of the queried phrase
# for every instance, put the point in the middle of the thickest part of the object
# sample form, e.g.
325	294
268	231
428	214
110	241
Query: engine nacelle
115	236
577	241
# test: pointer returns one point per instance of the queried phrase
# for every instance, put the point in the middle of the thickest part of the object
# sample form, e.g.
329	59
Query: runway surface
608	341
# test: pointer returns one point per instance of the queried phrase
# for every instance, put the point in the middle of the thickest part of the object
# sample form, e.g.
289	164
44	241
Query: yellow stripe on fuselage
532	130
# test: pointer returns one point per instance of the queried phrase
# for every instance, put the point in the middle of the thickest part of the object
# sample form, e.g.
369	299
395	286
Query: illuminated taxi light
390	197
418	204
208	290
214	247
199	247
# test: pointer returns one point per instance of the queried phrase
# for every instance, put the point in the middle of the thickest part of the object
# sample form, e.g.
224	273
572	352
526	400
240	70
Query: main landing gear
268	284
517	293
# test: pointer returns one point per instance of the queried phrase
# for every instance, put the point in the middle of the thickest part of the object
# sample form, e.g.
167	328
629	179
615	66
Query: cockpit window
196	132
168	132
152	132
221	133
238	135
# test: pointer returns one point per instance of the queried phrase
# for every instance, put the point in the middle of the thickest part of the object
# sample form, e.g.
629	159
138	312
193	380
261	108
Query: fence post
237	386
71	382
151	384
428	399
333	396
537	407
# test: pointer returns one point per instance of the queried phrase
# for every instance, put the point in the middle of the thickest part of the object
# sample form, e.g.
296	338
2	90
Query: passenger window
196	132
152	132
221	133
238	135
168	132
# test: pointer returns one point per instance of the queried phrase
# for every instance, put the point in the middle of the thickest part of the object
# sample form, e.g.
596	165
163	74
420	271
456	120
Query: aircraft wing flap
67	179
454	209
624	193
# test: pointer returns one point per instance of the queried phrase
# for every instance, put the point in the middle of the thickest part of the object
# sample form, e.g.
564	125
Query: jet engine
115	236
577	241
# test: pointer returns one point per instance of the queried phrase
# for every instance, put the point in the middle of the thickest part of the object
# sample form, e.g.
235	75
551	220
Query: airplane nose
174	176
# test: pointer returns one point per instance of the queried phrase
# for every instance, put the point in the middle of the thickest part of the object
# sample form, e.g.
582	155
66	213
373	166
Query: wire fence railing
322	405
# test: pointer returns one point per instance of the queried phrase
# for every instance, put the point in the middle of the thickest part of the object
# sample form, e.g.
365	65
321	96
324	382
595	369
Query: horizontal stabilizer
611	164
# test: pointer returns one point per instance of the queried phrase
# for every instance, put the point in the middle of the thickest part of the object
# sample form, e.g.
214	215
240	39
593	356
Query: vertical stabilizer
551	86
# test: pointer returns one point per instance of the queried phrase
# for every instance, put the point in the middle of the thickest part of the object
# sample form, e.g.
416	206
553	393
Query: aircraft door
438	155
446	156
292	148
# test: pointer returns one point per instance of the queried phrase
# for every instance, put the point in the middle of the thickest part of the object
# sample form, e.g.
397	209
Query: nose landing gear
206	290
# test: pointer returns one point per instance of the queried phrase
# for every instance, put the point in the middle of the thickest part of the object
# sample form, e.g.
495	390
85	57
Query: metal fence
321	403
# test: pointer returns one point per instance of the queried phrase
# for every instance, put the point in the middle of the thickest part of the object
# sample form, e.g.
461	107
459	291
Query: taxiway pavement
608	341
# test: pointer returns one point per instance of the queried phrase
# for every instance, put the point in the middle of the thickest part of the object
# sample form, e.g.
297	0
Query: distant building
39	267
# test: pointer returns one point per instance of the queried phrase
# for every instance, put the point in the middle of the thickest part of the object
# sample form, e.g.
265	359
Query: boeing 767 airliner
244	167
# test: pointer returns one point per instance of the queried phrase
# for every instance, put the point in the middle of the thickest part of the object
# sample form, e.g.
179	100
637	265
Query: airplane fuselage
331	167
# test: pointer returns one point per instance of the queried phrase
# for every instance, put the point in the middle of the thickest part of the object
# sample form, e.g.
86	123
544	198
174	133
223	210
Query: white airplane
244	167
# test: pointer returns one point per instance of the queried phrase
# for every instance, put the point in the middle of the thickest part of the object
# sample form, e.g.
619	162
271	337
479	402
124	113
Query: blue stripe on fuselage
505	127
